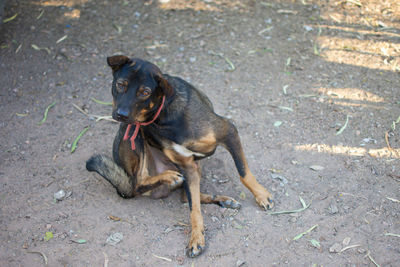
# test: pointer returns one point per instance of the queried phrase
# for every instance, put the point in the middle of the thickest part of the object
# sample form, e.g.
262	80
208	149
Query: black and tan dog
174	125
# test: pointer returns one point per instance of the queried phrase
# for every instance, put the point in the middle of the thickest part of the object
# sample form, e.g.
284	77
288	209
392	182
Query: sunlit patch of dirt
371	13
364	53
384	152
351	94
199	5
67	3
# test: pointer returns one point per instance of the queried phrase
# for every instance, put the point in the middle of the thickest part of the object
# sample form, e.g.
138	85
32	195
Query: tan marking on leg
196	242
205	144
167	177
262	196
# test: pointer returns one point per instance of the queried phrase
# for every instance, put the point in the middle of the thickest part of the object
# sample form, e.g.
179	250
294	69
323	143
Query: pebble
279	177
333	209
214	219
316	168
308	28
59	195
346	241
335	248
240	263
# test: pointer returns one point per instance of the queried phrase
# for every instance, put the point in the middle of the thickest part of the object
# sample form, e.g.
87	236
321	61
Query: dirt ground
313	87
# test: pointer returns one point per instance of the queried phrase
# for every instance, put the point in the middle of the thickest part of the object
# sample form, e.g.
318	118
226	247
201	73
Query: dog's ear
116	62
167	89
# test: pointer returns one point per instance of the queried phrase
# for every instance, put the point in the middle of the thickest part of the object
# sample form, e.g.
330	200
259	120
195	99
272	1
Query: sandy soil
289	73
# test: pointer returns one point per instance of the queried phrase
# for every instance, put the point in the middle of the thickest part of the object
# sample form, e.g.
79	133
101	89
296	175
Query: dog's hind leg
231	141
222	201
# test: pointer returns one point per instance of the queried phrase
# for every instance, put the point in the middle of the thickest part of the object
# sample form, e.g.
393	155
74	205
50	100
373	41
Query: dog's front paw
196	244
173	178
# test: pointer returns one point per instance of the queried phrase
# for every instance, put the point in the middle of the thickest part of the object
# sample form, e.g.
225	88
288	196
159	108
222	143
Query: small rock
280	178
60	195
316	168
48	226
214	219
308	28
277	123
346	241
333	209
240	263
335	248
114	238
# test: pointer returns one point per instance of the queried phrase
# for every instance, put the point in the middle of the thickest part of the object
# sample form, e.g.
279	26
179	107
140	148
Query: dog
166	127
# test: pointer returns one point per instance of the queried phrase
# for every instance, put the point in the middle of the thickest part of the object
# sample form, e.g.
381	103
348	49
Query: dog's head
138	87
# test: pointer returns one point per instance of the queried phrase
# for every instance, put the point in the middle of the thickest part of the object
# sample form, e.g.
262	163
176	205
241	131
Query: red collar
138	124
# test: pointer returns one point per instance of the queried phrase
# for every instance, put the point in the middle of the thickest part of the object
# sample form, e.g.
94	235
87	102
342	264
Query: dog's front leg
196	242
191	171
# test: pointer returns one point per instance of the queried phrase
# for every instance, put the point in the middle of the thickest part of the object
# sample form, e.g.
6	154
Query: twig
349	247
304	233
373	261
105	259
393	199
354	2
303	203
394	176
390	234
81	110
18	48
10	18
42	254
387	140
40	15
101	102
163	258
75	143
344	126
45	113
62	39
182	224
231	65
349	194
98	117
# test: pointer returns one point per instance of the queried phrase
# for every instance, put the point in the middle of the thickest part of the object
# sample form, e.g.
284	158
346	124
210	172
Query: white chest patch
181	150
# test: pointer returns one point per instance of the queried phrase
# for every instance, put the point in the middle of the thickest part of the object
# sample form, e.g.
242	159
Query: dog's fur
167	151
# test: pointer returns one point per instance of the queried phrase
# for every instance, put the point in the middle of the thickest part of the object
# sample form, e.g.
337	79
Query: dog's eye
146	91
120	87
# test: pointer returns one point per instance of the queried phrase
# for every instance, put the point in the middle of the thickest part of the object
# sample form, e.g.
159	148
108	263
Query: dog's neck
138	124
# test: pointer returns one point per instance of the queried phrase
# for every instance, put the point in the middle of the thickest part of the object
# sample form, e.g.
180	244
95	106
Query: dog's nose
122	114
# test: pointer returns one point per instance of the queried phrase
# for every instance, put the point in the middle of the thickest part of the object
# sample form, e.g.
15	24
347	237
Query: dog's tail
113	173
